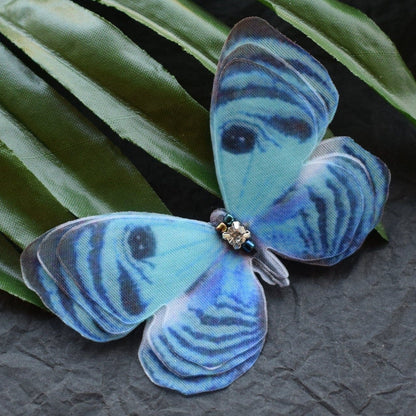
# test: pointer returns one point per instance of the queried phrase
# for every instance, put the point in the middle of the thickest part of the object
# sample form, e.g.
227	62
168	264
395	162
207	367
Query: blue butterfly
286	193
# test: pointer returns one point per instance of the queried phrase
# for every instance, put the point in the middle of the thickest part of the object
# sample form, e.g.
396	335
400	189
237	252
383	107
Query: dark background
342	340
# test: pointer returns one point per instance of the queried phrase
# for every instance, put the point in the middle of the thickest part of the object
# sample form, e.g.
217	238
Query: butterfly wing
205	339
104	275
336	201
271	105
71	313
117	269
59	274
272	102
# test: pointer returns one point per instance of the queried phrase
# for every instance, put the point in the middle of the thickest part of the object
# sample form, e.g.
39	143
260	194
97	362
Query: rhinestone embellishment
236	235
232	231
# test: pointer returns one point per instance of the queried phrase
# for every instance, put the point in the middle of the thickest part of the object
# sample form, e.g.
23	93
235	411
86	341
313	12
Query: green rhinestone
228	220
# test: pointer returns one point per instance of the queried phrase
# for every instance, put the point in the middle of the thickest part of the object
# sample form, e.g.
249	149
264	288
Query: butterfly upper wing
271	105
336	201
211	335
118	269
37	279
57	272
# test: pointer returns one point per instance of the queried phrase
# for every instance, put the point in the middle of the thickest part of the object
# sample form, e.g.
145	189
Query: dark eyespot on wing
238	139
142	242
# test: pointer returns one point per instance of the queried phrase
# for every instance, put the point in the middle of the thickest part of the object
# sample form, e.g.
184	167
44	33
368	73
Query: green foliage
56	165
10	279
382	231
358	43
180	21
343	31
72	159
116	80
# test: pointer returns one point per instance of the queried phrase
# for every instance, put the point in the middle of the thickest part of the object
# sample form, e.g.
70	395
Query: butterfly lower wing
271	104
163	377
211	335
336	201
119	269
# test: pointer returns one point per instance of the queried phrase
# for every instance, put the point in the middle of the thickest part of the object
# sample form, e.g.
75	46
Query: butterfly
287	194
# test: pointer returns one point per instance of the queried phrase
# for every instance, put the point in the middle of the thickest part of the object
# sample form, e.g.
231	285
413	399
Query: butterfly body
287	194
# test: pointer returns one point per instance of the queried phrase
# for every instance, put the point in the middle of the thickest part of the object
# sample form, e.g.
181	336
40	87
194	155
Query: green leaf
358	43
27	209
116	80
53	162
328	134
79	166
10	278
381	231
180	21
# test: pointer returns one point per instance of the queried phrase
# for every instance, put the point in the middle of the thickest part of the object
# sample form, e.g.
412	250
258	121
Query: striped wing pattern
205	339
271	105
66	308
54	268
336	201
111	272
259	39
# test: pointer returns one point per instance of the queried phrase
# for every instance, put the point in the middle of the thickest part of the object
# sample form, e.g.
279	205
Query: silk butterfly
287	193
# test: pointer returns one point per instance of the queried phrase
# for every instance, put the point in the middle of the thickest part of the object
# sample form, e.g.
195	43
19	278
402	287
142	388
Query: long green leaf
80	167
358	43
10	279
117	80
180	21
344	32
27	209
382	231
52	161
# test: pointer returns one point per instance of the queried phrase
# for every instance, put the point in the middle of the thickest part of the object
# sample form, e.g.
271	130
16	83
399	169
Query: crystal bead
236	235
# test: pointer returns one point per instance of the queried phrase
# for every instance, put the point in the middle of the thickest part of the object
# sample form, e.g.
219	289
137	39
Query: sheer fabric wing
271	105
211	335
55	270
336	201
116	270
37	279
